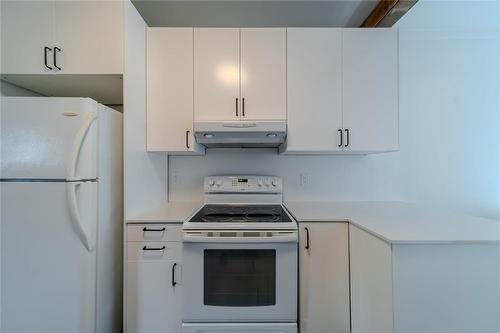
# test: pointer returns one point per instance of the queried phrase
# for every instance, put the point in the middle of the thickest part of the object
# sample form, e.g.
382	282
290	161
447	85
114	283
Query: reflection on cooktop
242	214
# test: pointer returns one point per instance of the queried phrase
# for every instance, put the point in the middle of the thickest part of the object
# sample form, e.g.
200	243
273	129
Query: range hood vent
240	134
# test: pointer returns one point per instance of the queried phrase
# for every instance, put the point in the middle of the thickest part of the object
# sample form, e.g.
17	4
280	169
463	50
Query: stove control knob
267	183
275	183
211	183
219	183
259	183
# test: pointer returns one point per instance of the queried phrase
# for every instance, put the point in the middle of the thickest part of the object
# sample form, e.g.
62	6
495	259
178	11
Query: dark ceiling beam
388	12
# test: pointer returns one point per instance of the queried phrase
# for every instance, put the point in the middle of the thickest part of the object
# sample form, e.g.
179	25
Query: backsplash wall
370	177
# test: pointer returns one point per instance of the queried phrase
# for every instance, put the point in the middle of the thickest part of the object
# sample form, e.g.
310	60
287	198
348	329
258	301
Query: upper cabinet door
314	74
370	89
26	29
89	35
263	74
170	90
216	74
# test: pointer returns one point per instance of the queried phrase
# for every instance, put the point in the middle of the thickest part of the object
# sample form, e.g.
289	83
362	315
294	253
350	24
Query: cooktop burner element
241	214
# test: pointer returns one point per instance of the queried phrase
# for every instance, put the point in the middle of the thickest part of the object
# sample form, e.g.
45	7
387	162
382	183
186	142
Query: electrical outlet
175	178
304	179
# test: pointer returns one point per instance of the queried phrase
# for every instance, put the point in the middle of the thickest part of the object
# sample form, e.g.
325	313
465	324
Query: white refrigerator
61	216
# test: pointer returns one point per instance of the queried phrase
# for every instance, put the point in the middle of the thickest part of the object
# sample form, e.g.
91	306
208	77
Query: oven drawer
158	251
240	328
154	233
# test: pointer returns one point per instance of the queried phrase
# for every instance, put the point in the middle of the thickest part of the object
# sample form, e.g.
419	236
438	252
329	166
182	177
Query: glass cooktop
241	213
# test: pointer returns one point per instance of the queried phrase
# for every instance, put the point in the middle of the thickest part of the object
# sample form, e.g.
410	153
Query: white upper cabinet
263	74
342	90
90	36
239	74
314	84
66	37
170	91
370	89
26	29
216	74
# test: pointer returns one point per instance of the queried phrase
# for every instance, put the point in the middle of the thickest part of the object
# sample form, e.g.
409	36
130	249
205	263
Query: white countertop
398	222
170	212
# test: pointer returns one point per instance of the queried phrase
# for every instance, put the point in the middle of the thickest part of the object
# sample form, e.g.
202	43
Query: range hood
240	134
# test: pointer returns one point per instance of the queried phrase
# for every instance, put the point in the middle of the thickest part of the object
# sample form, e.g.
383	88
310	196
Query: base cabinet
437	287
153	279
371	283
324	278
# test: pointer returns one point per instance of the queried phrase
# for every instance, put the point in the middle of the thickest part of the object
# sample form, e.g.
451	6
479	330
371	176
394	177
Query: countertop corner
401	222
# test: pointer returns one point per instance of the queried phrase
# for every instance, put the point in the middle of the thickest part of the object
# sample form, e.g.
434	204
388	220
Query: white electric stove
240	259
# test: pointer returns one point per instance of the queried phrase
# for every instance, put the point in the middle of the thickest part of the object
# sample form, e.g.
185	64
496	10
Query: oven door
240	276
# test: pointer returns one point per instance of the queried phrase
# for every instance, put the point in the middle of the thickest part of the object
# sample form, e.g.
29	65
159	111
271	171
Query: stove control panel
243	184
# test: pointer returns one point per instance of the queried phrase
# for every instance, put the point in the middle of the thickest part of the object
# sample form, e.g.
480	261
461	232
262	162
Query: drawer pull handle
307	238
145	248
150	229
173	275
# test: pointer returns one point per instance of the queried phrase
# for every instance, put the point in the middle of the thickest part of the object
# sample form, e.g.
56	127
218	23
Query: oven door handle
204	237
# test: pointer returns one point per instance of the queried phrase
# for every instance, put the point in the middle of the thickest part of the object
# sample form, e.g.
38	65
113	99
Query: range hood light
208	135
272	135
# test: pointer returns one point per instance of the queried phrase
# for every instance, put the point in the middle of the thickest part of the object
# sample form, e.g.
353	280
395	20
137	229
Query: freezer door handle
75	215
77	144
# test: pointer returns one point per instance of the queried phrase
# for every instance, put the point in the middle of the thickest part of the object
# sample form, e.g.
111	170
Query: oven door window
239	277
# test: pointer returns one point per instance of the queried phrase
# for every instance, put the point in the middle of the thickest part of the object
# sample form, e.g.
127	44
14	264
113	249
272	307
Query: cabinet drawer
154	233
158	251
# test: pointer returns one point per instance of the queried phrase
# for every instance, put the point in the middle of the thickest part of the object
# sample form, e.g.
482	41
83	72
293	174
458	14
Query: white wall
449	126
450	105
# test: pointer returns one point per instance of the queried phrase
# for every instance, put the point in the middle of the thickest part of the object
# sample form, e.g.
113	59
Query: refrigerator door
48	138
48	277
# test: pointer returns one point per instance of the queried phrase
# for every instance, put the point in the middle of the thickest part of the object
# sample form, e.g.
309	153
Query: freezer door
48	138
48	275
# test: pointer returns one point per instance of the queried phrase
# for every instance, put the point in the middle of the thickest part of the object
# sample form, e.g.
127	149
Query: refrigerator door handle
75	215
77	144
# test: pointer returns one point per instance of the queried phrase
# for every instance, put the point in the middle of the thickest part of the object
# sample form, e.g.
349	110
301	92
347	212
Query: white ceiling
254	13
